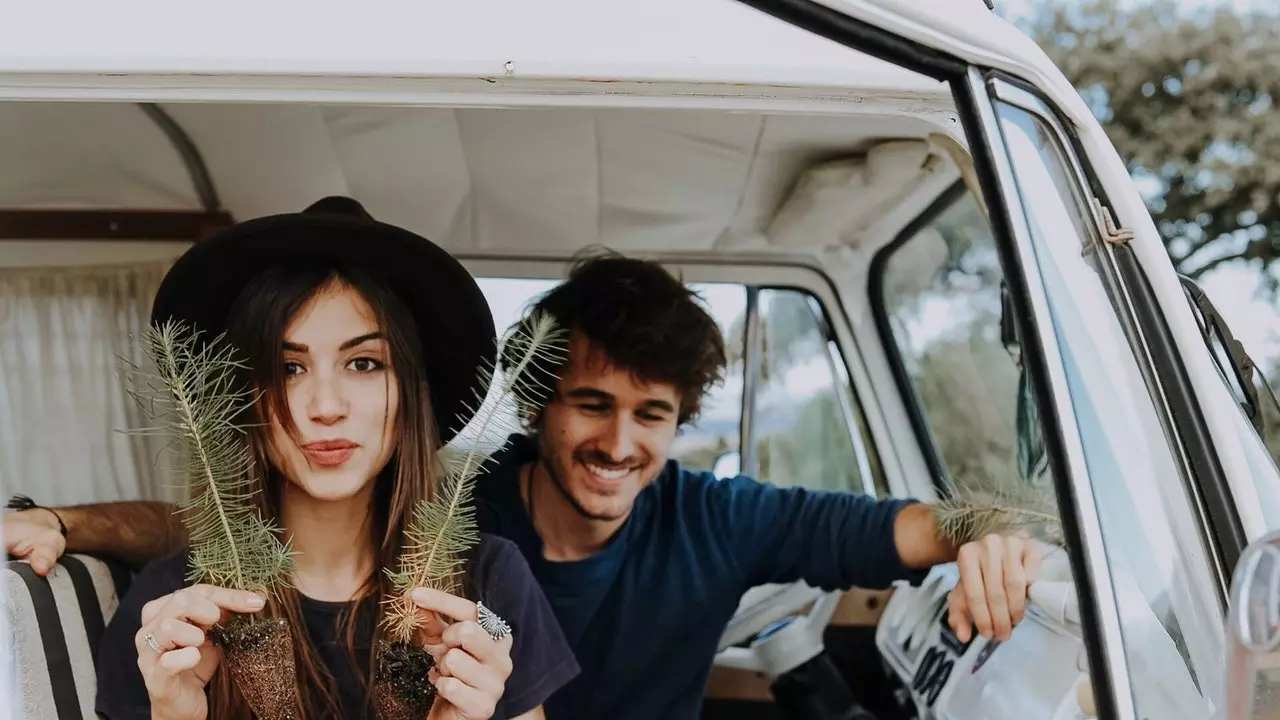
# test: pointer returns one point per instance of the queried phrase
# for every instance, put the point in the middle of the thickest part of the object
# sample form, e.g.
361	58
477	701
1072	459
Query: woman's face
342	394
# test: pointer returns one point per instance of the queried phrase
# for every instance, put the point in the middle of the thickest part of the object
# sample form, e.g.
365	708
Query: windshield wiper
1242	365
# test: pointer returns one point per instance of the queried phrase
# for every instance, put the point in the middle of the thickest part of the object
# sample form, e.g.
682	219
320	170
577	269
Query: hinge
1111	232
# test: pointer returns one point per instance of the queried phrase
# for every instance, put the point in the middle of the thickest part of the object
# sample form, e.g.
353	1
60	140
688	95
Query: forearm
920	545
134	532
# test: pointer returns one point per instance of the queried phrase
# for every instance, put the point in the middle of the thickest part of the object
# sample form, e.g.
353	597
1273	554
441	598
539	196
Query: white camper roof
171	47
604	39
618	135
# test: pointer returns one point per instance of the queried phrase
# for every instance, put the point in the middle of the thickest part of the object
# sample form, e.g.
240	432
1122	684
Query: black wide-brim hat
454	321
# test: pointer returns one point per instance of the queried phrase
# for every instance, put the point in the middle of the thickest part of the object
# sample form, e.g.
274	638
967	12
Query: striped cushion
50	628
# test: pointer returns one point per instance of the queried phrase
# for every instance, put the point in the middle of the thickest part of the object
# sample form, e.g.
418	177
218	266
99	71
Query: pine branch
442	529
190	390
972	513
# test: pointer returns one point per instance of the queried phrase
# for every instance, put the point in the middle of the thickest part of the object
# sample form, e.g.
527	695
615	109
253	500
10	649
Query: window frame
916	412
851	412
784	274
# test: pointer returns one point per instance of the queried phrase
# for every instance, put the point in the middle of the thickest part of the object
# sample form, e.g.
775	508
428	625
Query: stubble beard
551	463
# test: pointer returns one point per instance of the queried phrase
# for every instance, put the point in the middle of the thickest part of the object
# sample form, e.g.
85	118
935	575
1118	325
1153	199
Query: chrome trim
843	391
1023	100
1092	551
752	349
1016	96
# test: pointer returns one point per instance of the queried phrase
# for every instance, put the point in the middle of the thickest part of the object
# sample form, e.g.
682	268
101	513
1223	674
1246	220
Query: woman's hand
183	659
471	668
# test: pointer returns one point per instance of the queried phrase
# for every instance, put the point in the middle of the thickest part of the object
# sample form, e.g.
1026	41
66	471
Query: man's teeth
606	473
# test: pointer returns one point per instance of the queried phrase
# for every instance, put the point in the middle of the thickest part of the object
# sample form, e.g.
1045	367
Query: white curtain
64	411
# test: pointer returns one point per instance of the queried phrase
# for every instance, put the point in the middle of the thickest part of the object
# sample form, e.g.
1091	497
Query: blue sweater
645	614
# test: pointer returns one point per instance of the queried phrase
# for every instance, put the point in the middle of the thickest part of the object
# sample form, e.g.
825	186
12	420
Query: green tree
1187	96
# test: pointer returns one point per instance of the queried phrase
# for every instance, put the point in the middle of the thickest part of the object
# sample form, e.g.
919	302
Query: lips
329	453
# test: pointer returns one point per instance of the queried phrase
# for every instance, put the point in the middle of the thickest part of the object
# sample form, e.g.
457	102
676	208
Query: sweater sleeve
832	540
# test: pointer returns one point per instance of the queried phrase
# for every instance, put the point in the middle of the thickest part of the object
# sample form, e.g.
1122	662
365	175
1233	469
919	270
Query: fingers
958	616
39	546
971	585
44	557
995	574
488	678
169	633
473	639
452	606
179	661
1015	580
204	605
180	645
469	702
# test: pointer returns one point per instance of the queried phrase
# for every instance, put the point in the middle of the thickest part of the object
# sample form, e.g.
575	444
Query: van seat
50	627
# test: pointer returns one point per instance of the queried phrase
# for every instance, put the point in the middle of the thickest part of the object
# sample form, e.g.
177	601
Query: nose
619	441
327	404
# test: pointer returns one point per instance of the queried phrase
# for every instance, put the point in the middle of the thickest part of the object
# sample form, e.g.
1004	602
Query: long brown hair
256	327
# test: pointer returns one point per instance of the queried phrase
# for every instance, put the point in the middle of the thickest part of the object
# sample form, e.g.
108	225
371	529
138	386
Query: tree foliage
1188	98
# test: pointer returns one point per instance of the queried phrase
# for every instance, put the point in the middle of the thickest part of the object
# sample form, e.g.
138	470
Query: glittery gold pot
402	688
259	653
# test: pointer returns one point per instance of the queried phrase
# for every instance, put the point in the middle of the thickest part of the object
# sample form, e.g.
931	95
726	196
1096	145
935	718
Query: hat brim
454	321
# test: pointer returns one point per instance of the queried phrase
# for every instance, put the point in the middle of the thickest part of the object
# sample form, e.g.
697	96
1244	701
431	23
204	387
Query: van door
1152	519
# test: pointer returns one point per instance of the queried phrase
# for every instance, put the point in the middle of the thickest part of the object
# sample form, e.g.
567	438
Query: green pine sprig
971	513
442	529
192	391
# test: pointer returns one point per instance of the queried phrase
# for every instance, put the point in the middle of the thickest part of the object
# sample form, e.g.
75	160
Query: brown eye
365	365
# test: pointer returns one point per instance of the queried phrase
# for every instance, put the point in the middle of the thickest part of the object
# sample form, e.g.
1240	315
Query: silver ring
491	623
151	641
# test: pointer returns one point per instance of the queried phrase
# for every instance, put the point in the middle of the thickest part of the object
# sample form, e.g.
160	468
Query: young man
644	561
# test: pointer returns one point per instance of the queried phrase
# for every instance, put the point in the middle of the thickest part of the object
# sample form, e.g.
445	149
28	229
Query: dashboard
1040	673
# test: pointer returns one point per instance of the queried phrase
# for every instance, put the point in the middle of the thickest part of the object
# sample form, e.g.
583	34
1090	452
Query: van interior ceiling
480	181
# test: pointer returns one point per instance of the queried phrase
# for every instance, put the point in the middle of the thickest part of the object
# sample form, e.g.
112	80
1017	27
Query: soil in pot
259	653
402	689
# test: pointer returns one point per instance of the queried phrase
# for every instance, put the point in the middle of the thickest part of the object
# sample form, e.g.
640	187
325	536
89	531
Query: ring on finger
491	623
151	642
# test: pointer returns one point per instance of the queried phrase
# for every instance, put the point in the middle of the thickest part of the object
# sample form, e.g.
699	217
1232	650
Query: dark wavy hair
644	319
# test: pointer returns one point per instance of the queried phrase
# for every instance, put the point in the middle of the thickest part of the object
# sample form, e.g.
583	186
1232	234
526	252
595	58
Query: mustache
596	457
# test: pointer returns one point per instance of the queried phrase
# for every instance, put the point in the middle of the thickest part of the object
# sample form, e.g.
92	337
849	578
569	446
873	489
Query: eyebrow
353	342
590	393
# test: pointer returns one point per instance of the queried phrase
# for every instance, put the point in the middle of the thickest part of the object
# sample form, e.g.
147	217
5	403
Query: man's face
606	434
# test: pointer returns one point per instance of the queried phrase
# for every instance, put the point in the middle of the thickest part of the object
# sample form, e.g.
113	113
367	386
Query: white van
932	267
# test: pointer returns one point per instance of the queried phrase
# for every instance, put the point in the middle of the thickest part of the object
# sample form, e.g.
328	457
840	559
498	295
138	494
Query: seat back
50	628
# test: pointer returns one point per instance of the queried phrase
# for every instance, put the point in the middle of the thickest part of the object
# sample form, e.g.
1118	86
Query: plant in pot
194	393
442	528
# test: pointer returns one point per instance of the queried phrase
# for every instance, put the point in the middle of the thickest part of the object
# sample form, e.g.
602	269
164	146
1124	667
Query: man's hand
995	573
34	535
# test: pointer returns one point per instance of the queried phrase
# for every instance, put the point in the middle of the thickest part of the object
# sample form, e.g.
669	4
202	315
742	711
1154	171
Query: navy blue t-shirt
645	614
542	661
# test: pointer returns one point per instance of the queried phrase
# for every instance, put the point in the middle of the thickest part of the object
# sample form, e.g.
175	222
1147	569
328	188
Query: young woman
365	341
